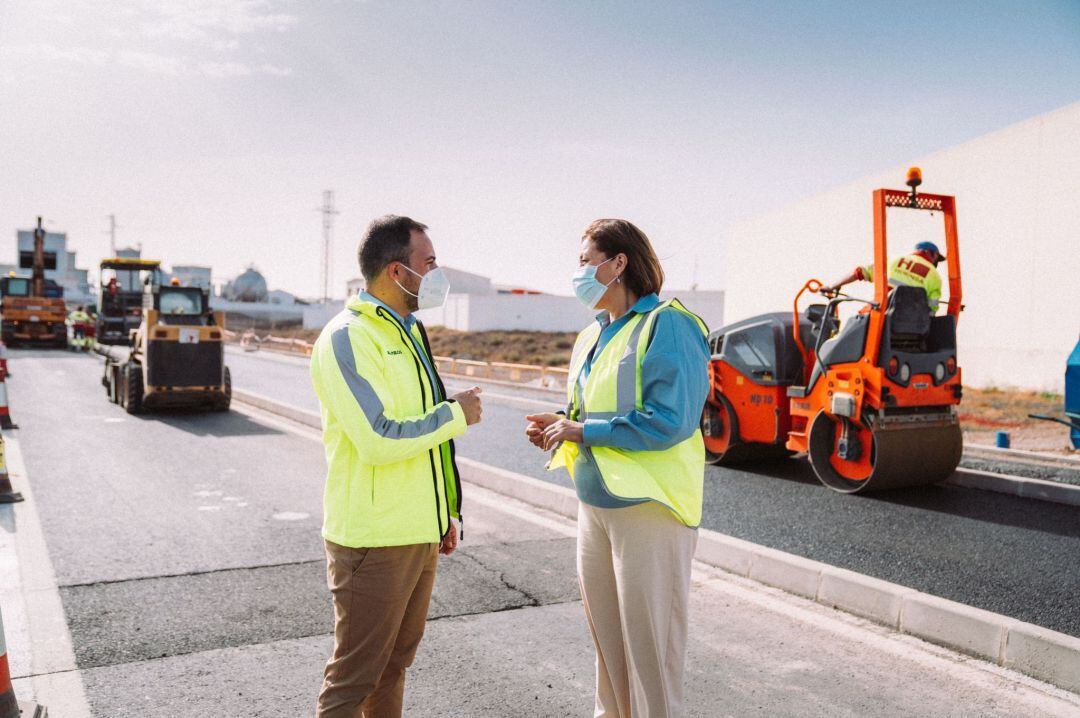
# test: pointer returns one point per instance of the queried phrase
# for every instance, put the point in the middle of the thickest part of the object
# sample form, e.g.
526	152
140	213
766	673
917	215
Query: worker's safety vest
912	270
391	478
673	477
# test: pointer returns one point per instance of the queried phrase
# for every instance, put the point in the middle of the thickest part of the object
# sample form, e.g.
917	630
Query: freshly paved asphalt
1004	554
191	572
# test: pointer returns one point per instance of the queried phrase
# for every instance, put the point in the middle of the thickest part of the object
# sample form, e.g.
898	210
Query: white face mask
434	286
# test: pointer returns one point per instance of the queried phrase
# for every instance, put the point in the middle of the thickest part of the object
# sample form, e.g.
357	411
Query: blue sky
210	128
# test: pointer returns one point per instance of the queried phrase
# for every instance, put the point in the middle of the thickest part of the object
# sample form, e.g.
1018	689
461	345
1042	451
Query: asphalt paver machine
122	283
873	405
177	354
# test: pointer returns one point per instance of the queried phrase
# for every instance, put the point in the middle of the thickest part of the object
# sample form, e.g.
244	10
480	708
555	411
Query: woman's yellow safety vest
674	476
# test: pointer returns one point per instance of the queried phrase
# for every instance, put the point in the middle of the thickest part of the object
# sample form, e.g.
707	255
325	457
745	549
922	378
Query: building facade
75	281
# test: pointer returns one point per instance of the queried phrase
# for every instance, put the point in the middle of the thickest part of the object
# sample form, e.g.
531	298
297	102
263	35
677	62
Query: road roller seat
914	337
908	317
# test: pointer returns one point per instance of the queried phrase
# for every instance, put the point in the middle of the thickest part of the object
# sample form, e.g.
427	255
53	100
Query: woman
630	440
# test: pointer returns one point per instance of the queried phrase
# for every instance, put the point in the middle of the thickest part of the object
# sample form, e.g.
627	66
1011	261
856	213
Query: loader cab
180	306
21	287
15	287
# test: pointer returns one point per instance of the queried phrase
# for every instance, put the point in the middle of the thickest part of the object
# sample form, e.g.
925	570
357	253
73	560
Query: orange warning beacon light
914	177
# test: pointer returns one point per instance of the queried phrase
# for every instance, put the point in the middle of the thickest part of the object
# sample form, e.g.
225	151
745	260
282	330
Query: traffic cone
10	707
7	494
5	413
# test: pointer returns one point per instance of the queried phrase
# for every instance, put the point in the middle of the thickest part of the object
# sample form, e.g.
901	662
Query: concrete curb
270	406
1038	652
1039	489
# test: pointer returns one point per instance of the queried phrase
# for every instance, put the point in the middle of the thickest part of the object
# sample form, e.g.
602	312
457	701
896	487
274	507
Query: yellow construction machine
177	356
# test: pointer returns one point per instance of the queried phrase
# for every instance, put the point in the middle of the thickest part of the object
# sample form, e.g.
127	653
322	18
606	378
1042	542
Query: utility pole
112	235
328	213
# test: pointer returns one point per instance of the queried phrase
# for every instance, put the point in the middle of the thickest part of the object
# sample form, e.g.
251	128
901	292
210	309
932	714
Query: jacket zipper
423	403
453	450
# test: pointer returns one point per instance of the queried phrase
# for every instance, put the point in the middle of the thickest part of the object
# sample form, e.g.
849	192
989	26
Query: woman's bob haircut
643	274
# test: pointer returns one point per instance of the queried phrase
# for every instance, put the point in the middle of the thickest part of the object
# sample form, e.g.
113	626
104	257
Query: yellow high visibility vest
391	478
912	270
673	477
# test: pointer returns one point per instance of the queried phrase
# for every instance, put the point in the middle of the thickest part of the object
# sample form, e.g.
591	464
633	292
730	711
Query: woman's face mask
434	286
587	287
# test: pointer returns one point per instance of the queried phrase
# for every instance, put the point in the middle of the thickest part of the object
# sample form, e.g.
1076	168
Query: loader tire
133	388
223	403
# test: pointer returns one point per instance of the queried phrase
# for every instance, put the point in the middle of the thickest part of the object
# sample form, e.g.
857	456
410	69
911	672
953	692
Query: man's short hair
386	240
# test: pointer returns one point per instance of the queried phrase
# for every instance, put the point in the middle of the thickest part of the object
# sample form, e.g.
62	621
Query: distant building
129	253
281	297
461	282
250	286
60	264
191	275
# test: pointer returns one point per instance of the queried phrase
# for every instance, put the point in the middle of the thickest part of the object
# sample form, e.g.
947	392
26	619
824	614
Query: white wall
545	312
1018	216
707	304
525	312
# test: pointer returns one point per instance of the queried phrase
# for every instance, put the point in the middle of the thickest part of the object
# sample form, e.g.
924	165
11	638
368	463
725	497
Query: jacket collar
644	304
364	303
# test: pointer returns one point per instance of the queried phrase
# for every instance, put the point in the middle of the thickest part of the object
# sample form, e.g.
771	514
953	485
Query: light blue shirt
408	323
674	386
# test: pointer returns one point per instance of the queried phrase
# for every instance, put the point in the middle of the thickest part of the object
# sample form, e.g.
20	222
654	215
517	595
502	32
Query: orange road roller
872	403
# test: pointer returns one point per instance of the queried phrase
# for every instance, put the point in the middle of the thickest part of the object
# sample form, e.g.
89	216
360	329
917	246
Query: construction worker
392	495
631	442
918	269
78	320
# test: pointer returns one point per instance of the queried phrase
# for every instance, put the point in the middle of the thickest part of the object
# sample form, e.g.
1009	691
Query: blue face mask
587	287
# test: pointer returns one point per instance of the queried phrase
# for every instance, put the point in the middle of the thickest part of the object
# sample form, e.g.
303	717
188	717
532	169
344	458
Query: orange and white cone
5	412
10	707
7	494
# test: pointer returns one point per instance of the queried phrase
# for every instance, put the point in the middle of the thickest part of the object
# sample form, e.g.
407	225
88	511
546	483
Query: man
918	269
392	493
79	320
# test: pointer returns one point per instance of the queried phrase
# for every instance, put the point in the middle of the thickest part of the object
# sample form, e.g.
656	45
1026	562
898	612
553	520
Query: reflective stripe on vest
672	477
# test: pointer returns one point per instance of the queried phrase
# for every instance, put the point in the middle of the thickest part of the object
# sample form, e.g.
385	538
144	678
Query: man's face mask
434	286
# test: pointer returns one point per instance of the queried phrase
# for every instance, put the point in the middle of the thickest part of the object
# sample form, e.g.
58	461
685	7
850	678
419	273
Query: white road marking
205	494
209	508
115	421
291	516
231	498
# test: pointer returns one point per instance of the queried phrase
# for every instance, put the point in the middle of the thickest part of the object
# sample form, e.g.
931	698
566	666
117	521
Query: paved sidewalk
521	648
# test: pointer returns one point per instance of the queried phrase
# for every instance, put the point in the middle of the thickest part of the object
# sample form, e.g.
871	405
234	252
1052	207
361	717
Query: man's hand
470	404
449	542
537	424
562	430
